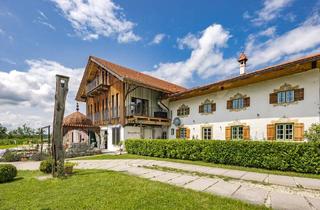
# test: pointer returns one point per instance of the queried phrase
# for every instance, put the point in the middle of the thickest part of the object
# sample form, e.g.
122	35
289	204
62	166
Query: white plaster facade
258	114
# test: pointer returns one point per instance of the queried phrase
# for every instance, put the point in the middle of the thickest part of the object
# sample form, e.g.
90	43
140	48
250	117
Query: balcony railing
115	112
106	115
96	84
99	117
153	111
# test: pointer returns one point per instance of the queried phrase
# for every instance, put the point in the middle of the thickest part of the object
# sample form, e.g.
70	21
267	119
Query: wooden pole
57	135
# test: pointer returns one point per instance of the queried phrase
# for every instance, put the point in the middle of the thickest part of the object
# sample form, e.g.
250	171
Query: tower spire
77	109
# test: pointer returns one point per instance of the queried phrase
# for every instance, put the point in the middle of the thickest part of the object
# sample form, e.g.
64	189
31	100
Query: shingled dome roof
77	119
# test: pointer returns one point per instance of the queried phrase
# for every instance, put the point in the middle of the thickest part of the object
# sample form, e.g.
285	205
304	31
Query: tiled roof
255	74
242	57
139	77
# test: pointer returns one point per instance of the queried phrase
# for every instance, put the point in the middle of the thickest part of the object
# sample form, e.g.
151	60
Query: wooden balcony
96	87
146	116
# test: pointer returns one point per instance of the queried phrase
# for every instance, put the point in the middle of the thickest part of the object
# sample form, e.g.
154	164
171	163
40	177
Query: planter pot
68	170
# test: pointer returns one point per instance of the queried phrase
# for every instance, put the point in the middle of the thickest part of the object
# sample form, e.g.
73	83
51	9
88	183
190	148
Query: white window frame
207	133
284	131
237	132
238	103
183	133
285	96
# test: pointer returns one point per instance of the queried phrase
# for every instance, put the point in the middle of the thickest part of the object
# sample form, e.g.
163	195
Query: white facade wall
129	132
259	114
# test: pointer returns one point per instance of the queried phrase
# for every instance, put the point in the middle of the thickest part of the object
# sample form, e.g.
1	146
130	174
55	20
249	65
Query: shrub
46	166
38	156
284	156
313	133
7	172
10	156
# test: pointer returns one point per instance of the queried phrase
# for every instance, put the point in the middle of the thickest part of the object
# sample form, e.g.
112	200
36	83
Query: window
237	132
206	133
284	131
172	131
183	110
115	136
285	96
237	103
139	107
183	133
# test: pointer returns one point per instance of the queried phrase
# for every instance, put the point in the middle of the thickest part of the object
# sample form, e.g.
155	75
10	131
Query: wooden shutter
246	132
201	108
299	94
273	98
228	133
177	133
298	131
229	104
271	131
213	107
246	102
187	133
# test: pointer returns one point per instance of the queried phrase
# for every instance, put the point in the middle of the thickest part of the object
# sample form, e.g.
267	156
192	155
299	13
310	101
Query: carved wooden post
57	136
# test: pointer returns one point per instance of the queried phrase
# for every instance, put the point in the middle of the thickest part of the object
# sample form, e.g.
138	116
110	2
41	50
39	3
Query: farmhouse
275	103
124	103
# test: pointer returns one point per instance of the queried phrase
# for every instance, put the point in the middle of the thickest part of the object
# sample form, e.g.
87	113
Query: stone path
278	192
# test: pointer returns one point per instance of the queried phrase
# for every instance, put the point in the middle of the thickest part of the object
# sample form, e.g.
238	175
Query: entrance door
105	137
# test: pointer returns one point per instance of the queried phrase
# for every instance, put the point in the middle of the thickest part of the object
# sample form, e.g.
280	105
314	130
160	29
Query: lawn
8	146
201	163
99	189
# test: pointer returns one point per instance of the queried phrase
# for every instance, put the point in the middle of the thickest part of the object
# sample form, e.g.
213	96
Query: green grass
201	163
8	146
98	189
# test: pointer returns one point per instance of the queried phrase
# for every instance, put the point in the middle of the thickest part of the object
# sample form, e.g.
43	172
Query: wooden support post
57	135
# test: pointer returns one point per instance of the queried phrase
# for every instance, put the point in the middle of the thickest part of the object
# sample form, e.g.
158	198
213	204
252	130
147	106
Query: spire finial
77	107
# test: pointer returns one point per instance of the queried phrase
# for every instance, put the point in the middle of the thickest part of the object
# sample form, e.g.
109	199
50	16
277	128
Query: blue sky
187	42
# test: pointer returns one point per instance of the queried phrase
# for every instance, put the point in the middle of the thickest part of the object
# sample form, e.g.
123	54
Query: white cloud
43	19
157	39
28	96
93	18
189	41
301	39
269	32
271	10
205	59
7	60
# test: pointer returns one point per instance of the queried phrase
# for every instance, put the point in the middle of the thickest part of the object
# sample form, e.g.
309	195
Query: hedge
7	172
284	156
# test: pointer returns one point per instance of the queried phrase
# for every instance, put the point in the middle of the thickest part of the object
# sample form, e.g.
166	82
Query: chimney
243	63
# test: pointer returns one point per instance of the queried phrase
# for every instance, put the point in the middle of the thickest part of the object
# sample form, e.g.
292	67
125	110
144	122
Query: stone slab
223	188
251	194
165	177
138	171
281	180
234	174
216	171
285	201
252	176
201	184
308	183
152	174
315	202
182	180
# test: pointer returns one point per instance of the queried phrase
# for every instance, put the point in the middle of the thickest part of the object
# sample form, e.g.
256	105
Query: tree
3	131
313	133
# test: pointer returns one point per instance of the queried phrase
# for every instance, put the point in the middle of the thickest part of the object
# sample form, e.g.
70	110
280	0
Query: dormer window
207	107
238	102
183	111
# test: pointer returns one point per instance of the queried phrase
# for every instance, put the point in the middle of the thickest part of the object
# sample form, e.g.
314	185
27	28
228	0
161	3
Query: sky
190	43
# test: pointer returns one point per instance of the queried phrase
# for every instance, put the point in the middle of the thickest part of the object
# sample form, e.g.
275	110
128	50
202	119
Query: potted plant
68	168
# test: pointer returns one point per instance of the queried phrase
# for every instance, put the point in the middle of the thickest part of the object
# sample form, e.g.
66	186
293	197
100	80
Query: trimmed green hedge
284	156
7	172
